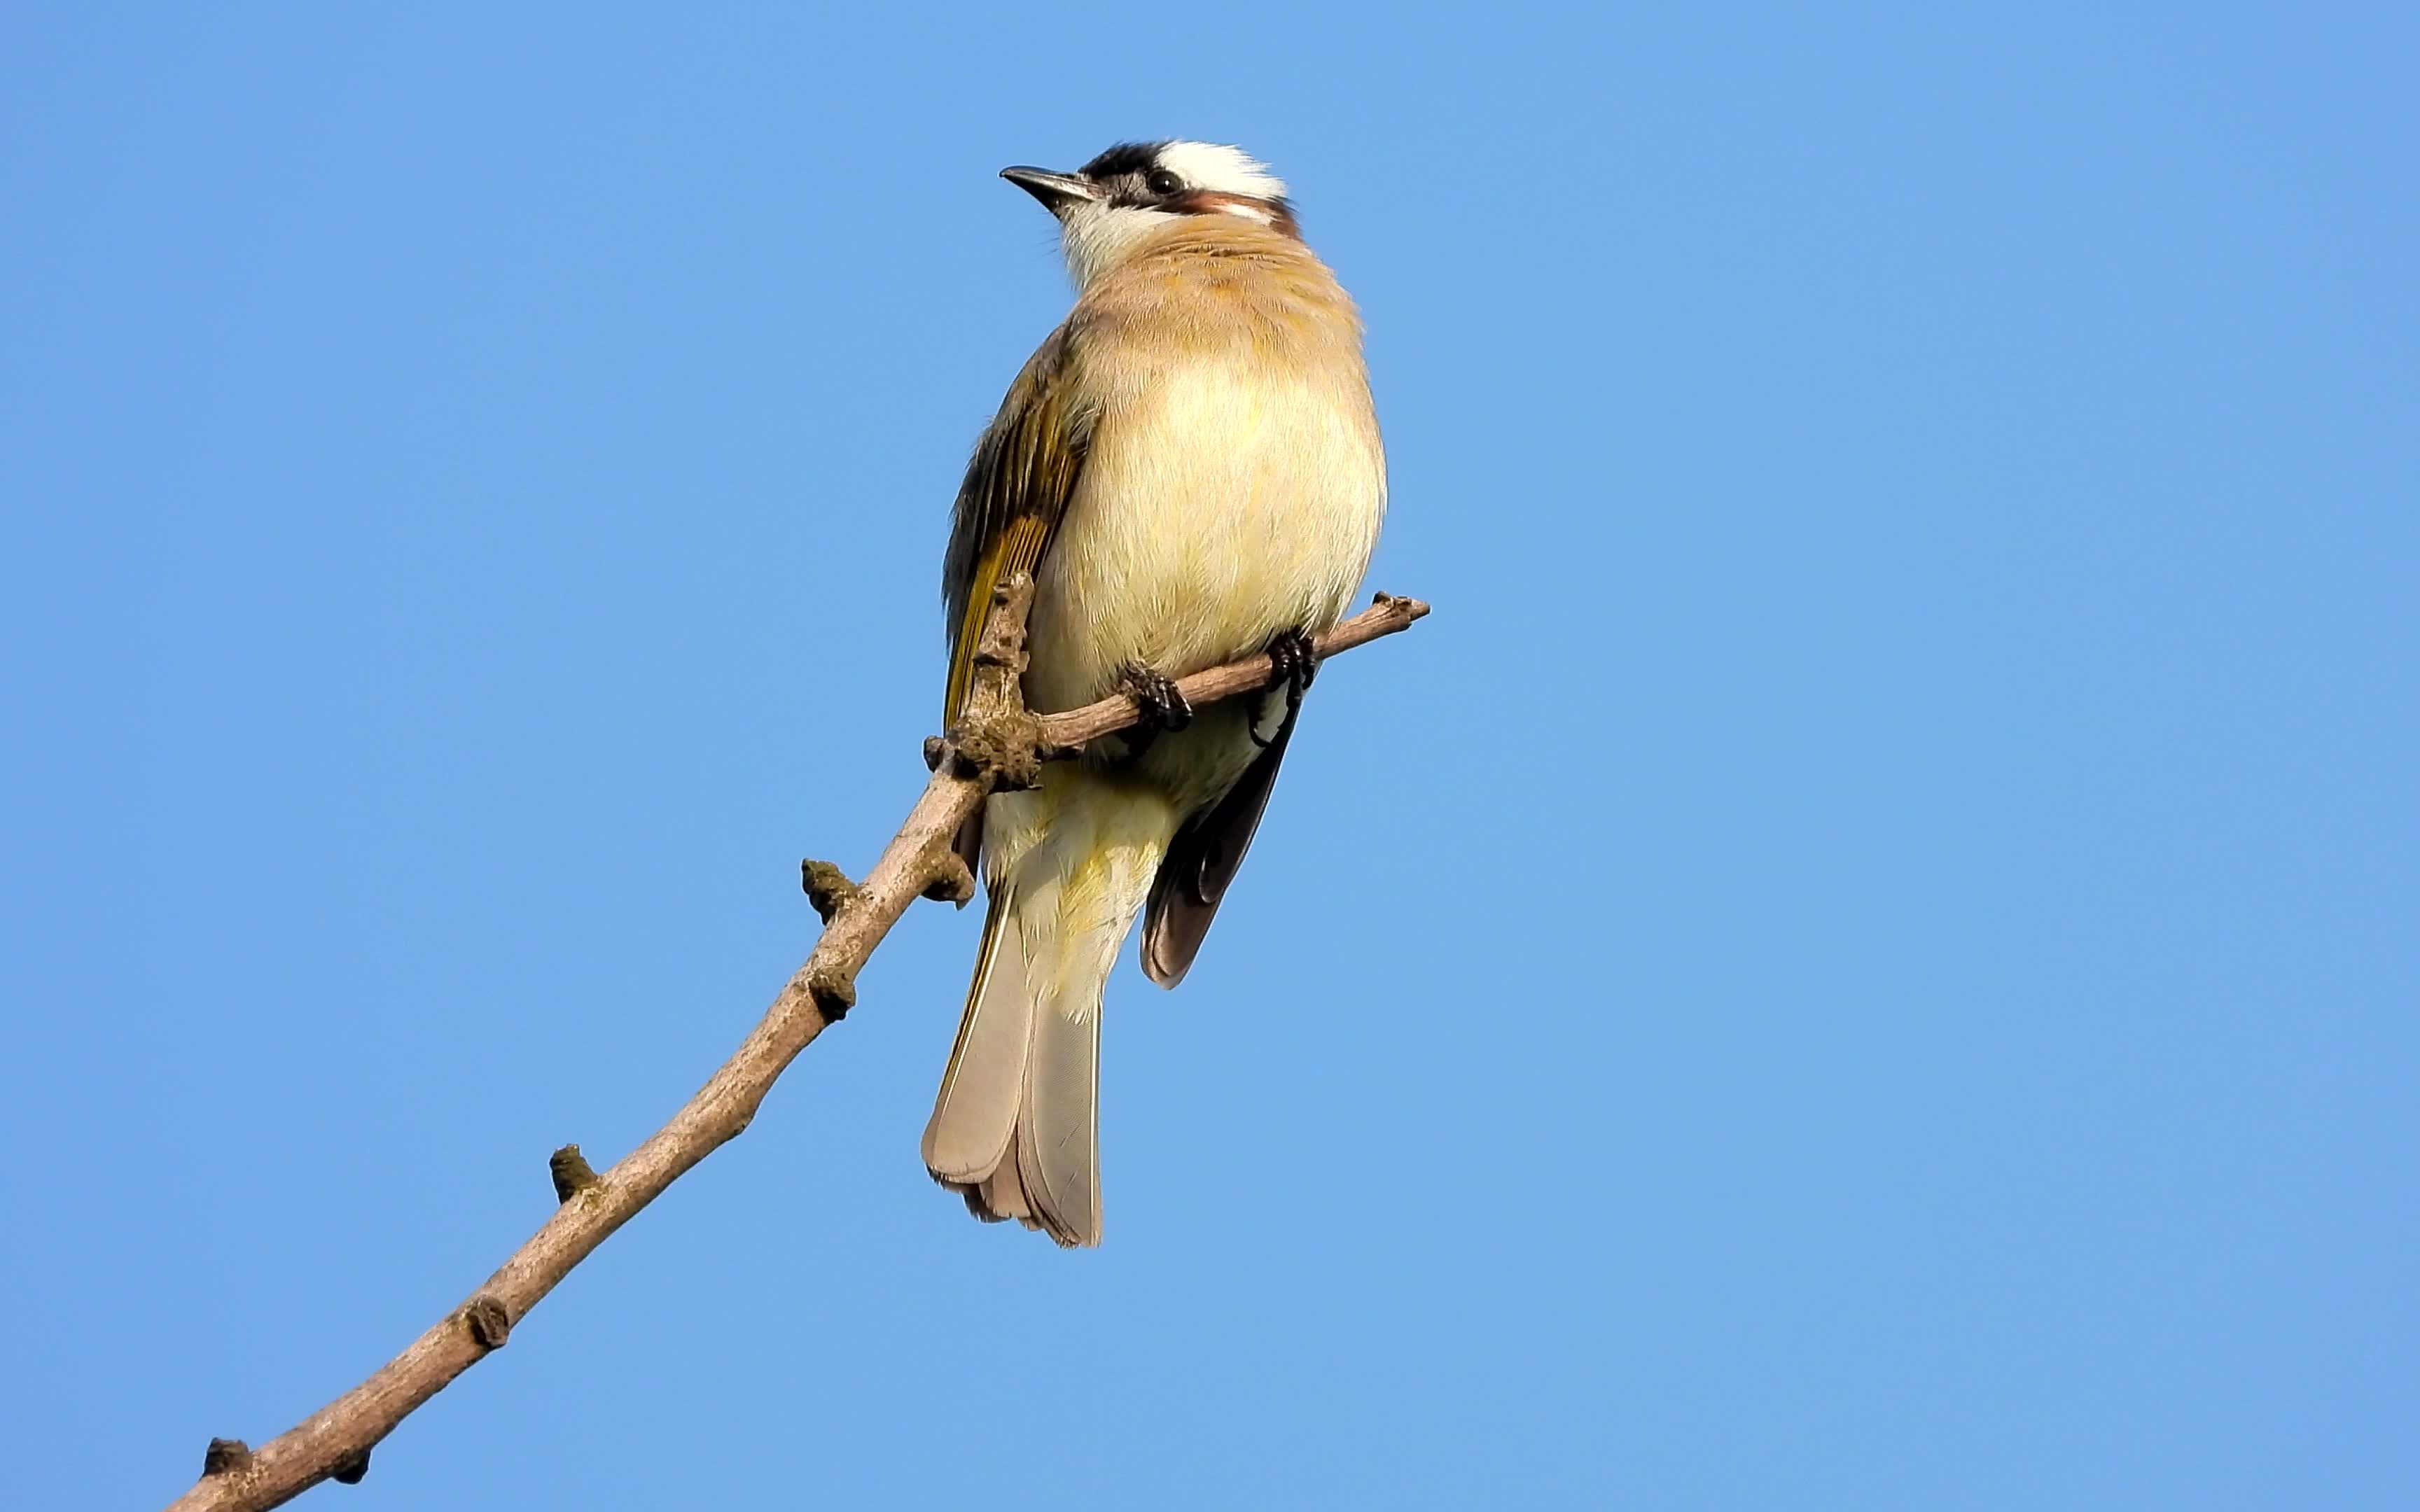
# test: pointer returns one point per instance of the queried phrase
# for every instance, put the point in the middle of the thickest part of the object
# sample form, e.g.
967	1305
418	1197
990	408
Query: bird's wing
1201	860
1017	488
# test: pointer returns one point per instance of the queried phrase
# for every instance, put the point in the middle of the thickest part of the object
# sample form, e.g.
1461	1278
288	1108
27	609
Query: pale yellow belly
1213	514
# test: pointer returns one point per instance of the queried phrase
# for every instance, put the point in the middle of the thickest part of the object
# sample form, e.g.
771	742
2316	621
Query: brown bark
997	746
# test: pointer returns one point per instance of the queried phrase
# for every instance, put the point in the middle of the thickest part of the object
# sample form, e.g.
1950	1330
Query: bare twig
1386	616
997	746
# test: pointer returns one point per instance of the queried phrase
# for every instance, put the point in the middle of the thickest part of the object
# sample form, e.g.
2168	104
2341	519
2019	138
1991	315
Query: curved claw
1164	708
1294	661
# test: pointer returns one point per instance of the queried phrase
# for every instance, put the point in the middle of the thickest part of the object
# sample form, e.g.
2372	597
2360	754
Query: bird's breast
1227	496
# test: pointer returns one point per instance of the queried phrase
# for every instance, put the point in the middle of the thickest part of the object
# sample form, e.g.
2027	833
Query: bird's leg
1294	661
1163	707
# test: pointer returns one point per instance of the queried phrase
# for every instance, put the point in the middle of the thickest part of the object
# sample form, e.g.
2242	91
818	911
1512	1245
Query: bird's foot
1294	661
1164	709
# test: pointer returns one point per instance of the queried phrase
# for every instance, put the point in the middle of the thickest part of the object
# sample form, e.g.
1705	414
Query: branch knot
828	887
572	1173
1005	745
952	882
488	1321
834	991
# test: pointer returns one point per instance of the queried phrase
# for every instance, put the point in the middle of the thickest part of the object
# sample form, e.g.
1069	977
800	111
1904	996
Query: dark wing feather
1017	489
1201	860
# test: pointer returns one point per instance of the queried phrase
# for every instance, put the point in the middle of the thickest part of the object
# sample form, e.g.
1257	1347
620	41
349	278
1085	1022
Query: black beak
1056	191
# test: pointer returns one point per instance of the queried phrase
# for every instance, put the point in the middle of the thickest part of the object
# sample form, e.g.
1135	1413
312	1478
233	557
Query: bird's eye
1163	182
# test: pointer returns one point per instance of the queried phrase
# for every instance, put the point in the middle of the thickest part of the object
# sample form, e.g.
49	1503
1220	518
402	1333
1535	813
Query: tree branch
997	746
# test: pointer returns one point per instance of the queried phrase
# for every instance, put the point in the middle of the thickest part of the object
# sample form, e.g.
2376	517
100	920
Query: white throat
1097	237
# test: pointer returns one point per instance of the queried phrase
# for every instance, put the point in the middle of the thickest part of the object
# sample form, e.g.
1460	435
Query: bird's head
1110	203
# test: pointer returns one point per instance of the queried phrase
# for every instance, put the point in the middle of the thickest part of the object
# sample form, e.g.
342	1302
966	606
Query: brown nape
1211	202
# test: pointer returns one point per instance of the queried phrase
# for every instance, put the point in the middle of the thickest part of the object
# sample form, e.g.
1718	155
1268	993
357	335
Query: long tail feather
1058	1149
974	1118
1016	1127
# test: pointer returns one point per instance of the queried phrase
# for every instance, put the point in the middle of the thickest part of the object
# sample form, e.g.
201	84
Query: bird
1190	467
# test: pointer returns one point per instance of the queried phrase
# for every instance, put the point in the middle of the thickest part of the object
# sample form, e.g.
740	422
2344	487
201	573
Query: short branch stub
835	991
1006	745
571	1171
827	886
489	1324
953	882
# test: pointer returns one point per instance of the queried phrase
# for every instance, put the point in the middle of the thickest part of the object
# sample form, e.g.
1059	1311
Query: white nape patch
1223	170
1098	236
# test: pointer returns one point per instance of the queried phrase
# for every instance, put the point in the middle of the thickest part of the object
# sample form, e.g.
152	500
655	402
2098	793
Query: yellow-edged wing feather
1017	489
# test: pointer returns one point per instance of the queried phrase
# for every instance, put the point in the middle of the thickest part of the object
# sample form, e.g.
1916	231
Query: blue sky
1864	958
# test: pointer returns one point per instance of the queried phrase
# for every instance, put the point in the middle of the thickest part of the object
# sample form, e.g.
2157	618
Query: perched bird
1190	467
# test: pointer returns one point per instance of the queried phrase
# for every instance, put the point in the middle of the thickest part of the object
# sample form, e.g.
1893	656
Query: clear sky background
1864	958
